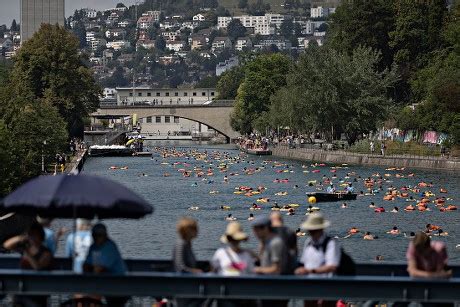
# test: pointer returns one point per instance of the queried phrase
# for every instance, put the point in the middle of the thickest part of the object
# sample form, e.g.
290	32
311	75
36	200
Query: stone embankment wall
341	157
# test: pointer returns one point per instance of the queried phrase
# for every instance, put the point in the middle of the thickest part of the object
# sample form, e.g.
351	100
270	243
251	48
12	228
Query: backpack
347	267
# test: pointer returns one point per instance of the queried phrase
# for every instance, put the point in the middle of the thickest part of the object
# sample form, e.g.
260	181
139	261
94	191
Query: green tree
49	66
363	23
235	29
242	4
262	77
14	26
287	28
229	83
334	93
160	44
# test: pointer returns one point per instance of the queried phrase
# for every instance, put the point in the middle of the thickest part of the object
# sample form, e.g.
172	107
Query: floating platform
331	197
110	151
257	152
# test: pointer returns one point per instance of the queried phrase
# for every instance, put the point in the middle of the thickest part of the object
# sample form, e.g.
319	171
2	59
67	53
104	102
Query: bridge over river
215	115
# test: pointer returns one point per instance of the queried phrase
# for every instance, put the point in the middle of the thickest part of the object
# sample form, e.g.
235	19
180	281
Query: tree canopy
49	66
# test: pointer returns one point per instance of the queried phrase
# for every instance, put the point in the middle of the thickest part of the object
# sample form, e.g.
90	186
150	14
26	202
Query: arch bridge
215	115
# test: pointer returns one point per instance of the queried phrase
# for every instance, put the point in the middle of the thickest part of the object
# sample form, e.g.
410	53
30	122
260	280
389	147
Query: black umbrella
82	196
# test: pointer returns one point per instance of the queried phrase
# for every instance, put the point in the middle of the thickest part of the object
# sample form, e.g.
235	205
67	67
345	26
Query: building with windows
164	125
263	25
164	96
36	12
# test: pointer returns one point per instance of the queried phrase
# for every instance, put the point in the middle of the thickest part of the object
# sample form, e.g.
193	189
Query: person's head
276	219
99	233
422	242
262	227
187	228
233	234
36	234
412	234
395	228
251	215
367	233
83	224
428	226
315	225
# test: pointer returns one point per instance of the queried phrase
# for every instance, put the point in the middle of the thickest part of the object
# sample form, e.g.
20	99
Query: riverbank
344	157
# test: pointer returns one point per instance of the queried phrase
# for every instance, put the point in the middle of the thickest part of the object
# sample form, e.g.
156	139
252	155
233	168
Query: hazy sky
9	9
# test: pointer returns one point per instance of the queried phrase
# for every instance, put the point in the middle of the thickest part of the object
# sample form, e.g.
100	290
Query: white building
320	12
154	14
220	43
95	43
164	96
263	25
115	33
175	45
228	64
199	17
117	45
91	13
243	42
145	22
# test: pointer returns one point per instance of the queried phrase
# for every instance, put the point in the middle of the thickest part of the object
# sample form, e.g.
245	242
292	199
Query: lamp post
43	156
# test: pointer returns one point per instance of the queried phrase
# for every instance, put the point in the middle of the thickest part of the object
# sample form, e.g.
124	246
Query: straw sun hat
235	232
315	221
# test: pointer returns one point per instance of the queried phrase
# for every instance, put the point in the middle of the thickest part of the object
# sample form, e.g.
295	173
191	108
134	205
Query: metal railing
409	154
150	278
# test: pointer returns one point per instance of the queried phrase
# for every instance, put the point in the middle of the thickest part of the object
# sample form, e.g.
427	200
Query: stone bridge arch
215	116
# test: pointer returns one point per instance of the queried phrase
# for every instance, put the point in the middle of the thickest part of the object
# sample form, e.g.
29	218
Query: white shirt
229	263
313	256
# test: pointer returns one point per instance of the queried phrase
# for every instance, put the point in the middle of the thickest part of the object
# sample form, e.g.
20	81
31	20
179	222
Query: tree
287	28
416	33
334	93
14	26
262	77
363	23
229	83
160	43
235	29
49	66
242	4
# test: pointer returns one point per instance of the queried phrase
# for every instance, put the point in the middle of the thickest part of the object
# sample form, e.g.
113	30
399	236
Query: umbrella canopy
83	196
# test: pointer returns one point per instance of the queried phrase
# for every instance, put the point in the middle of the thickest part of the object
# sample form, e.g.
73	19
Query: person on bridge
289	237
78	243
273	256
426	258
104	257
321	254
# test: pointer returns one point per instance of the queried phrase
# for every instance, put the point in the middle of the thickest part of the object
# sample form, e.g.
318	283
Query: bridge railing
172	285
150	278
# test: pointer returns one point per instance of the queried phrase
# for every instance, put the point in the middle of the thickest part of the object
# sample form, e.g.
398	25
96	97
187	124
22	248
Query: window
158	94
167	94
149	119
212	93
130	94
149	94
176	119
185	94
203	93
158	119
167	119
176	94
139	94
194	93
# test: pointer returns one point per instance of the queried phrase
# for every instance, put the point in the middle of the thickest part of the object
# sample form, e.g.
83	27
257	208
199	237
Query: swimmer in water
225	179
372	205
394	231
251	217
230	217
395	210
410	236
368	236
344	206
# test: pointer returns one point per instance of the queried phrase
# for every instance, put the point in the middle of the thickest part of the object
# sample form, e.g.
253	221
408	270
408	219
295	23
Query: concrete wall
340	157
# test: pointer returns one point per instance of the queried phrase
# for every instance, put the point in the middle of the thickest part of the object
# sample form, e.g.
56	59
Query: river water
154	236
